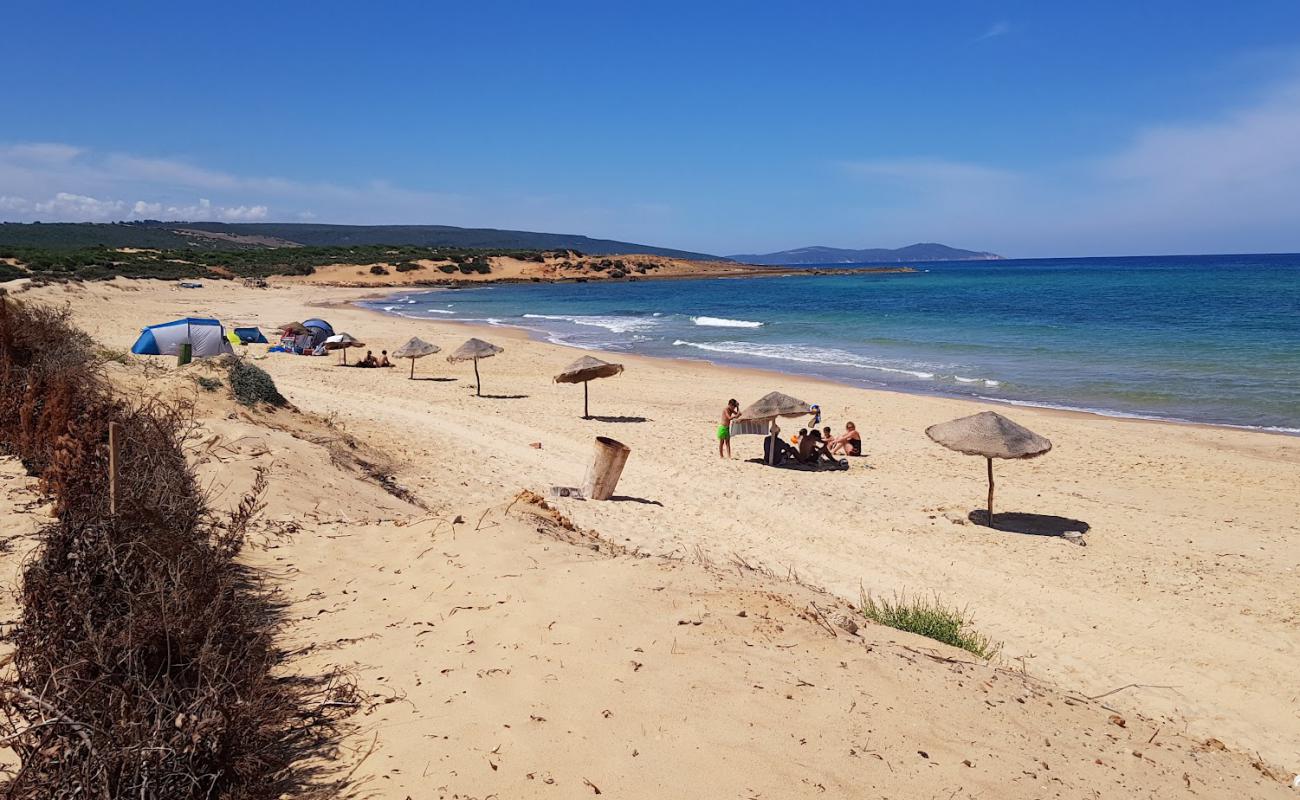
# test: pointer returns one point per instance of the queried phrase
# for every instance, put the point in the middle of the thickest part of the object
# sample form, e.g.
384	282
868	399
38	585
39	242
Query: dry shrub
144	662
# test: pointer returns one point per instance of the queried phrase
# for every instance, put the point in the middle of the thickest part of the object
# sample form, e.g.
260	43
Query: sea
1209	339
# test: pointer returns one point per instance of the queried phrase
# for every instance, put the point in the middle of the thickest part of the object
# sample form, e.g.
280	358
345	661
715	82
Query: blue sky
1028	128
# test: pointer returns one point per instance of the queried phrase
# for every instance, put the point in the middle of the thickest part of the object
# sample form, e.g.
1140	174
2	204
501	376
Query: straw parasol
773	405
990	435
293	329
342	341
416	348
585	369
473	350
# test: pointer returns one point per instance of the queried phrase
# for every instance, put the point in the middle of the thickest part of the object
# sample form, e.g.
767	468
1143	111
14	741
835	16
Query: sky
1028	129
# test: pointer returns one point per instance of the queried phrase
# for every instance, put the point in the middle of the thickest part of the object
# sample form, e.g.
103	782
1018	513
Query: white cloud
68	206
1224	183
927	170
999	28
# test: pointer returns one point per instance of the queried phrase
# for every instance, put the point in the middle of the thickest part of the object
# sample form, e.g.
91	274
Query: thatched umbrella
587	369
416	348
293	329
473	350
342	341
773	405
990	435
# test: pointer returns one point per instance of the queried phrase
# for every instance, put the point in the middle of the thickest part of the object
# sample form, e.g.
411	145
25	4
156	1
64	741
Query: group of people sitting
371	361
813	447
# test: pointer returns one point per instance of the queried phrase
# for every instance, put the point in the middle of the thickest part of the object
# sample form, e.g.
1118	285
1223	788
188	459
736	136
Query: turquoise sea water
1198	338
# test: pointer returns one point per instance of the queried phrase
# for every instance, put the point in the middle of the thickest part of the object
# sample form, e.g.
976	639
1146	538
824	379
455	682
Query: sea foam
613	324
723	322
826	356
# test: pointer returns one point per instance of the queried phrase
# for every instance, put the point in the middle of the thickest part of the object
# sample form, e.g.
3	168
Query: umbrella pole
345	356
412	370
478	382
990	491
585	413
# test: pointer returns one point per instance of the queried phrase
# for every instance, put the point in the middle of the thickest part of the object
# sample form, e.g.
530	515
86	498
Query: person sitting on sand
369	360
724	428
812	450
800	436
384	362
775	451
850	444
826	434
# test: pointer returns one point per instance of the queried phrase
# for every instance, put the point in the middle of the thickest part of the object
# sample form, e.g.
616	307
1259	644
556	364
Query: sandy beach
1180	614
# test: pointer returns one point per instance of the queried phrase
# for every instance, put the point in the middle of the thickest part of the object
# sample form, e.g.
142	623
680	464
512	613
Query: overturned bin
606	467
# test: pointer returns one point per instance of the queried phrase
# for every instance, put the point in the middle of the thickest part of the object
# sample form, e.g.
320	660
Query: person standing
724	429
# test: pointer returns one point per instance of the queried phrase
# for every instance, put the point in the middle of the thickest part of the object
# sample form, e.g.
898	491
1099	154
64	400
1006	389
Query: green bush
447	268
378	269
408	266
932	619
252	385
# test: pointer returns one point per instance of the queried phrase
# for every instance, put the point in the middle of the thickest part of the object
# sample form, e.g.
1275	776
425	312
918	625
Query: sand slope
1187	588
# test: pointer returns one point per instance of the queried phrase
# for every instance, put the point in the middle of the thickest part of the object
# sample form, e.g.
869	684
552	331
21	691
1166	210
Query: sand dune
1186	593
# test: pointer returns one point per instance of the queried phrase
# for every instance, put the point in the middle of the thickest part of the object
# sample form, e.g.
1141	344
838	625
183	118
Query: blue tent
205	337
320	330
250	336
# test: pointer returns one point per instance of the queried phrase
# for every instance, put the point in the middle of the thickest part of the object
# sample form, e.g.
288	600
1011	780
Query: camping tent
205	337
250	336
319	329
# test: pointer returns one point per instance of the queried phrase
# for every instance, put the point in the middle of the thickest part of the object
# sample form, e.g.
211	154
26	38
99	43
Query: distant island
924	251
261	235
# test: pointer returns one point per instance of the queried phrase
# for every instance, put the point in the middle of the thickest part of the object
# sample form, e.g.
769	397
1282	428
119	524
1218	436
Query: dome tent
251	335
205	337
319	329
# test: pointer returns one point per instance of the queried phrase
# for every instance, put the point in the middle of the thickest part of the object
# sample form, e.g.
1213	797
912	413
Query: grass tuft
929	617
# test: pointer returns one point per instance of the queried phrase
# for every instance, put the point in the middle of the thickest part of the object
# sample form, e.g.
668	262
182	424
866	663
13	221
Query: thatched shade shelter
293	329
773	405
990	435
584	370
416	348
473	350
342	341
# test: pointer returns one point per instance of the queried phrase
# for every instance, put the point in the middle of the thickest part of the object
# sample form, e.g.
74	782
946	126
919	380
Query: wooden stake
114	446
990	491
478	382
412	377
585	413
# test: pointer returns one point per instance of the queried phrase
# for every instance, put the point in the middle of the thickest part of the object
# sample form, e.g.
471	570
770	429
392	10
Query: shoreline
521	333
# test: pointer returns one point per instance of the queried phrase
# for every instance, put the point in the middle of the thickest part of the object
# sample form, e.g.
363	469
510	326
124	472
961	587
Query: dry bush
144	661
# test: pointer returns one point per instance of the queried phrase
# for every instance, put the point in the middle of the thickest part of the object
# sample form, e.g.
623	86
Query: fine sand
1180	614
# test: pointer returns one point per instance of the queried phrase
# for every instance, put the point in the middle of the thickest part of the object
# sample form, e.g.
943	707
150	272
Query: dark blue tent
320	330
250	336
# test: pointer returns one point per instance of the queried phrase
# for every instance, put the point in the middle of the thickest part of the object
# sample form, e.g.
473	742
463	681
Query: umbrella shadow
503	396
599	418
440	380
1031	524
622	498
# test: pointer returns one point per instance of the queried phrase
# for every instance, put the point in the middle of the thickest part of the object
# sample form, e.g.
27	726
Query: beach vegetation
932	618
379	269
143	659
253	385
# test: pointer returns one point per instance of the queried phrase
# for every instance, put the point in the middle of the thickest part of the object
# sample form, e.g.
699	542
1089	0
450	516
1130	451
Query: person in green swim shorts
724	430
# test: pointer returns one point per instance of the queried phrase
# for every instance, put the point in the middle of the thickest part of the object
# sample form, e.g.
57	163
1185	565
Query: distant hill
245	236
926	251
